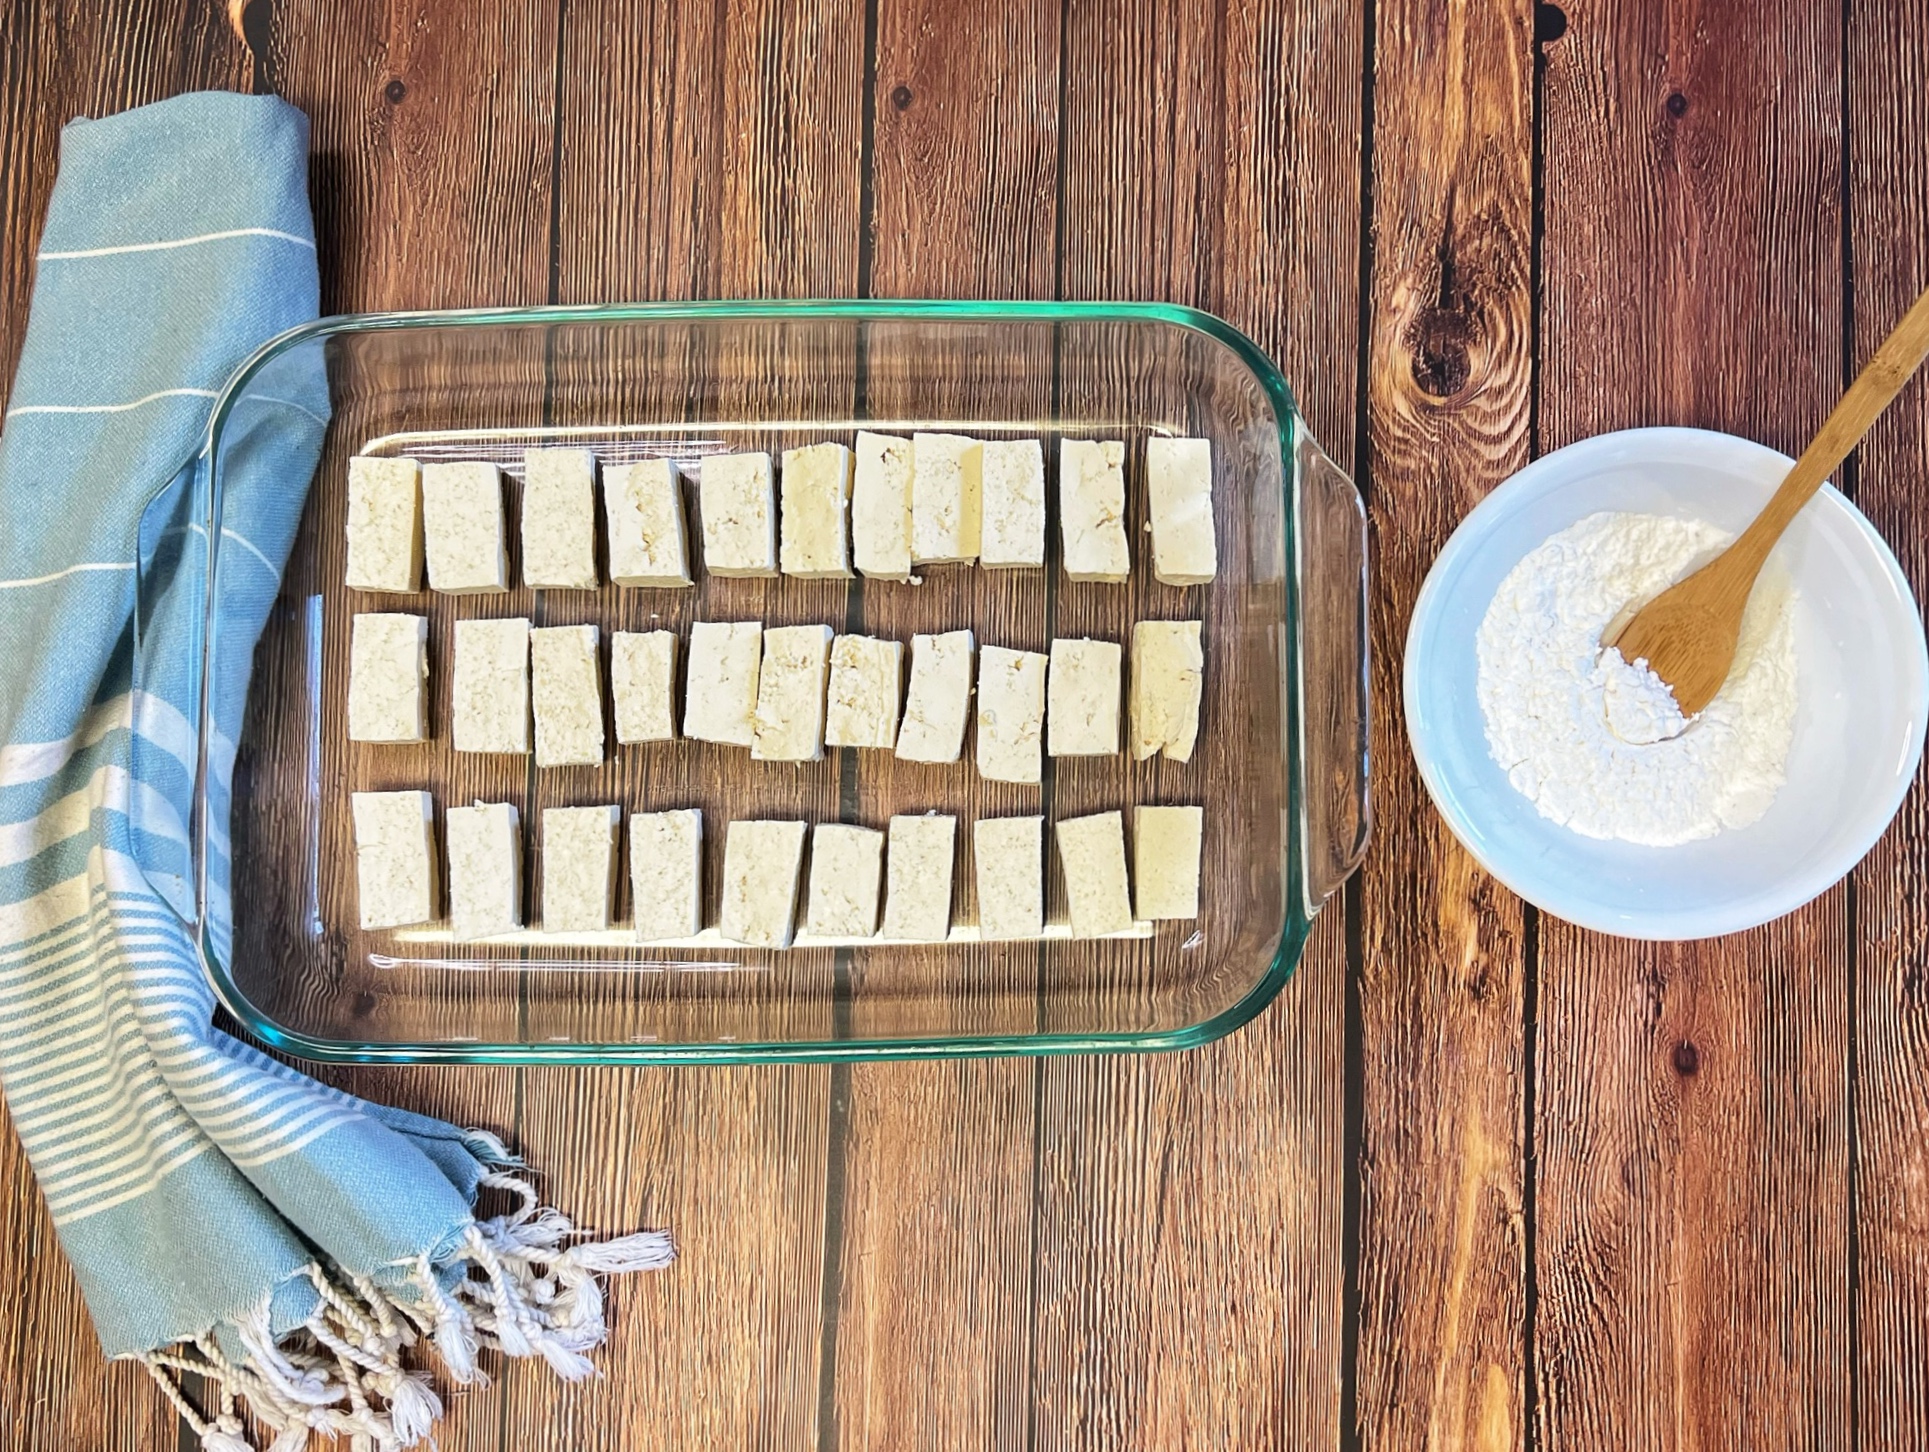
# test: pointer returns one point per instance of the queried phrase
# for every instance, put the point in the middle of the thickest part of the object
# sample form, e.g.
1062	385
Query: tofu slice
739	515
649	538
1092	852
1178	486
567	690
462	526
760	866
1014	505
491	686
917	897
816	498
395	876
1091	510
485	870
1165	860
643	681
579	867
1010	854
939	698
1083	709
790	694
947	498
666	874
559	519
1168	678
867	685
846	864
720	686
881	507
388	677
384	524
1011	714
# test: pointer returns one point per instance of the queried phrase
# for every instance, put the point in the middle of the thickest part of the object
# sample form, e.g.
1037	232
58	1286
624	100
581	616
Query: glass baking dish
1280	765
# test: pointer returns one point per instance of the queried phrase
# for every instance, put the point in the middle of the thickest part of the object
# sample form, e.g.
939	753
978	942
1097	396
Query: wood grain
1165	1317
1691	1134
1888	68
432	148
1288	274
1442	1252
964	166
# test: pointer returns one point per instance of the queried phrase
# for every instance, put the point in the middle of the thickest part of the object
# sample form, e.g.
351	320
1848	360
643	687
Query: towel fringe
519	1283
296	1383
413	1406
451	1327
490	1150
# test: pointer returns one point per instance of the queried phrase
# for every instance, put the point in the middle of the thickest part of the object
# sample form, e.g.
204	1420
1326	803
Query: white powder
1598	744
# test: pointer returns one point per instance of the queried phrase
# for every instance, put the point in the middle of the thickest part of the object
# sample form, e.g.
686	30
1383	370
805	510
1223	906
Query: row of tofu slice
887	507
784	692
396	868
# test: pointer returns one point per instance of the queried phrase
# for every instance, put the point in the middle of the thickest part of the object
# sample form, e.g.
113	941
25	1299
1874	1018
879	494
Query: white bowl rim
1818	876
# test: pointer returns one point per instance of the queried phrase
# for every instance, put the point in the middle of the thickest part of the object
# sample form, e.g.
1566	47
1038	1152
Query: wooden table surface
1478	1179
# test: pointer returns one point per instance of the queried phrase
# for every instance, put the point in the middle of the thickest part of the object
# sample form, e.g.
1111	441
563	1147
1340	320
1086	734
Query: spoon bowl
1688	633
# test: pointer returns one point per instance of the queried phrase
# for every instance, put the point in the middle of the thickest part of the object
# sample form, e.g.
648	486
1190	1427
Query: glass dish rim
1297	916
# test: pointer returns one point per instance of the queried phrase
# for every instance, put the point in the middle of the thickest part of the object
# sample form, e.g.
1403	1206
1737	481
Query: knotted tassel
413	1407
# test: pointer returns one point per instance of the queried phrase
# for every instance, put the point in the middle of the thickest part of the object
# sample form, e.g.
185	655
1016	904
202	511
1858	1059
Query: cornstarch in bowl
1596	743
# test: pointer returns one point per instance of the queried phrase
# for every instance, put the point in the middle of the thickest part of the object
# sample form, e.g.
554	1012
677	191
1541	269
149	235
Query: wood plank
964	174
432	149
1173	1308
703	152
933	1244
1888	61
1442	1273
61	61
678	127
1691	1129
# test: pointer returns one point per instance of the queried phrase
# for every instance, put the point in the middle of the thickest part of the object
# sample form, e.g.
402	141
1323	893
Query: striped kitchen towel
225	1215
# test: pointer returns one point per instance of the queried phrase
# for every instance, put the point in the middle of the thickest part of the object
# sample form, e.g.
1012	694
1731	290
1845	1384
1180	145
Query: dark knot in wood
1687	1058
1439	340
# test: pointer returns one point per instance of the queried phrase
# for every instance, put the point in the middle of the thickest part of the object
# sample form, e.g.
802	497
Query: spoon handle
1900	355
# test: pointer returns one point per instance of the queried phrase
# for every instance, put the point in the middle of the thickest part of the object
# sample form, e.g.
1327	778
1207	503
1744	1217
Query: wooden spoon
1687	633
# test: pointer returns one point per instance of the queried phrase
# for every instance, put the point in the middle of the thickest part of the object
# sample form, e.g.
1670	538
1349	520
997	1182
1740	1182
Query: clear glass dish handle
170	620
1335	722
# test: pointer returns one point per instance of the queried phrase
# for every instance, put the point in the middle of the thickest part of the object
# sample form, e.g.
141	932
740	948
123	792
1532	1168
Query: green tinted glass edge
1297	922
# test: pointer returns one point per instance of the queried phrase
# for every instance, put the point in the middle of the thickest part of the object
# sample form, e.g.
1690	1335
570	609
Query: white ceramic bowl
1862	668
